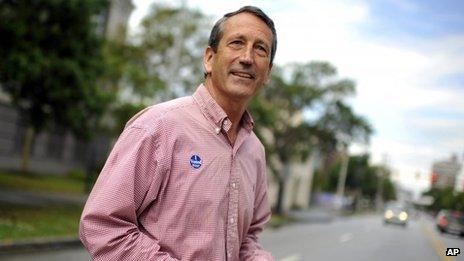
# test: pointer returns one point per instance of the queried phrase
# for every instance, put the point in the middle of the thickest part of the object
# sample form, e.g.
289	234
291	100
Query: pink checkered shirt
173	188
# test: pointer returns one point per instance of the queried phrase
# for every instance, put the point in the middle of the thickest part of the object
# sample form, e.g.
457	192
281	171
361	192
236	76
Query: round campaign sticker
195	161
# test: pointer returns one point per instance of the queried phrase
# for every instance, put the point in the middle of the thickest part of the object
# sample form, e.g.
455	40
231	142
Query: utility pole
378	195
380	177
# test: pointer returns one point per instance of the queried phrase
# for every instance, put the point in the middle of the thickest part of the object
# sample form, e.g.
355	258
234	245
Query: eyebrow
237	36
242	37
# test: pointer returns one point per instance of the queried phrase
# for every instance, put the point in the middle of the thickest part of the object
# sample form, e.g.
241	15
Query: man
187	178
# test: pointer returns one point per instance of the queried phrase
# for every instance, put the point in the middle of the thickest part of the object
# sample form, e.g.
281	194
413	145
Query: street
358	237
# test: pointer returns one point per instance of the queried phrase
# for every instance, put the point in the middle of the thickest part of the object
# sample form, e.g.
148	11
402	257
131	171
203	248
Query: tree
446	198
50	60
128	76
280	109
172	40
161	61
389	191
362	178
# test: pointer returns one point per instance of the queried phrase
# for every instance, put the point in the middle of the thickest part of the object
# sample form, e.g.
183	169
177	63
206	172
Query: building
57	151
445	172
459	186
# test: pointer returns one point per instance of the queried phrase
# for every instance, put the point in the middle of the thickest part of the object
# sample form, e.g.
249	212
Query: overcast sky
406	57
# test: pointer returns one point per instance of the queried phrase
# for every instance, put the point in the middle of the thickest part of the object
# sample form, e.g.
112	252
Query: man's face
241	65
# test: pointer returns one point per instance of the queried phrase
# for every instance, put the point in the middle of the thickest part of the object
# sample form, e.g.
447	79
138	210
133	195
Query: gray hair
217	31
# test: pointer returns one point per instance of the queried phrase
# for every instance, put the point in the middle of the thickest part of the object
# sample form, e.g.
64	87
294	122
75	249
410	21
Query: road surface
361	238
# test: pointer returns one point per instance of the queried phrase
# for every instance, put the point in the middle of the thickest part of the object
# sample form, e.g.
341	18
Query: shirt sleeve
250	249
128	183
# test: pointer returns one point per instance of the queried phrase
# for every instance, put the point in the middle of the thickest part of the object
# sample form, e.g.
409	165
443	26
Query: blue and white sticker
195	161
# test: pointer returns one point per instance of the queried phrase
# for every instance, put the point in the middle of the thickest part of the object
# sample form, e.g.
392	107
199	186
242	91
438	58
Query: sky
406	57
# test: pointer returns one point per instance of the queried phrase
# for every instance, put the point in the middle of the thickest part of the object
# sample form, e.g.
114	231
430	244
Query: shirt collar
216	114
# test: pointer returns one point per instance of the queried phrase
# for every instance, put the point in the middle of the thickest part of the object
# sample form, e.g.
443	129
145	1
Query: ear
208	59
268	76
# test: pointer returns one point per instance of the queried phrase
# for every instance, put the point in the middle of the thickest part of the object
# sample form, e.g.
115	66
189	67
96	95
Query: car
449	221
395	214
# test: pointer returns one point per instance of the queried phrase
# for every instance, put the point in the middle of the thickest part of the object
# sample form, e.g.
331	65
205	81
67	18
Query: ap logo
452	251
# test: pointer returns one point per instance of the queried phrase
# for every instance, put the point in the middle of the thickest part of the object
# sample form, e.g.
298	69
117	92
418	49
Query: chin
241	90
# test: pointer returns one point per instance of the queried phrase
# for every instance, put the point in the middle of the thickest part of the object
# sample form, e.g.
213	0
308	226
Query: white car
396	214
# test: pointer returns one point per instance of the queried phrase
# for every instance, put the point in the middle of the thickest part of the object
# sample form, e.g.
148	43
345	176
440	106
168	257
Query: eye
262	50
236	43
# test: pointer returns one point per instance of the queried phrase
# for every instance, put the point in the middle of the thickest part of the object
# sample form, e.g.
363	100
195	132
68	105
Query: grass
20	222
280	220
23	222
46	183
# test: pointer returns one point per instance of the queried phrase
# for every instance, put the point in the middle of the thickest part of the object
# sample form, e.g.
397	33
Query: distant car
395	214
452	222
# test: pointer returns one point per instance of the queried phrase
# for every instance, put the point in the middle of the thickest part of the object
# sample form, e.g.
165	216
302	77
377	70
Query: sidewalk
39	244
314	215
29	198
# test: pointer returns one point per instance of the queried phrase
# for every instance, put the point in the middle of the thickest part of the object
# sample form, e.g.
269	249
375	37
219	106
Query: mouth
242	74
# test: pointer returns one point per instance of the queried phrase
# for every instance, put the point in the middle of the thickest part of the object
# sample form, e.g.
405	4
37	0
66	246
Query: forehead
246	24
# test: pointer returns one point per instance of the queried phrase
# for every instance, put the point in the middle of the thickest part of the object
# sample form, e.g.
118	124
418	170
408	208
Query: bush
446	198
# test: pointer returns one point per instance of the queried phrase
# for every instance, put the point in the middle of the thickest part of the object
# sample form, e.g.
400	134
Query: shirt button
229	255
234	185
218	130
226	121
232	220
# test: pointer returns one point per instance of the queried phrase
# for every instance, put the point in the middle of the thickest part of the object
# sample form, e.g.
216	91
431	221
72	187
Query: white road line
295	257
345	237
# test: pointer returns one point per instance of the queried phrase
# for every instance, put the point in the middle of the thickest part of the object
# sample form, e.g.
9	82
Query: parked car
396	214
452	222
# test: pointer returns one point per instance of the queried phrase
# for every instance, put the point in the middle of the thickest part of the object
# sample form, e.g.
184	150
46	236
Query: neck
234	108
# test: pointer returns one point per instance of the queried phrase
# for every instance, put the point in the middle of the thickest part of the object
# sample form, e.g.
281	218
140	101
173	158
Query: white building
459	186
445	172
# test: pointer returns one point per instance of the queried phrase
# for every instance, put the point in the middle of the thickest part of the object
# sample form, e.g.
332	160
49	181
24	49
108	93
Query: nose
246	56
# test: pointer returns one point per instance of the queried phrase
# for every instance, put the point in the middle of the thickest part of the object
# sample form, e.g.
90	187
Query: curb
39	244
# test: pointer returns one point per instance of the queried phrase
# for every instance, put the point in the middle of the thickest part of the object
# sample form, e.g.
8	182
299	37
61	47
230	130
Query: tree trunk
27	146
282	180
342	173
90	166
280	196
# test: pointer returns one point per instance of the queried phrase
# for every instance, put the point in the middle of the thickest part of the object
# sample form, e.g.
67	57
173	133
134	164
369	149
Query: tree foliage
281	108
173	40
50	60
162	60
446	198
362	177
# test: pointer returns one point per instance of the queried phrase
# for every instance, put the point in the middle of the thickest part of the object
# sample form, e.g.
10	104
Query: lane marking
295	257
437	244
345	237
